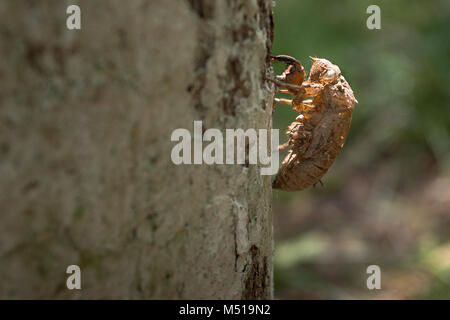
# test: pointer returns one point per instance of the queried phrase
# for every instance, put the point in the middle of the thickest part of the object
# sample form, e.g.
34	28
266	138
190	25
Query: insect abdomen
314	150
298	172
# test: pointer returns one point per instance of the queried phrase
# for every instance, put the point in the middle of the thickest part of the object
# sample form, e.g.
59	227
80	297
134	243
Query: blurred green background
386	199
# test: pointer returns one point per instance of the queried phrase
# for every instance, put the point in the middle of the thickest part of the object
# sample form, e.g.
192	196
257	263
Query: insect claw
286	59
320	181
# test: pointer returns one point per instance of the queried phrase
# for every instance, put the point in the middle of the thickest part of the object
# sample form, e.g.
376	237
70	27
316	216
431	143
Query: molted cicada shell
325	102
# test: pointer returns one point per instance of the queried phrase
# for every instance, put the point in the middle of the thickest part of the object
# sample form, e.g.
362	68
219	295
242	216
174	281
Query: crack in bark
256	284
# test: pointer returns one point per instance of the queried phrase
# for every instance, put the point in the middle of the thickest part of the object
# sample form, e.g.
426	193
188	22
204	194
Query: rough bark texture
86	175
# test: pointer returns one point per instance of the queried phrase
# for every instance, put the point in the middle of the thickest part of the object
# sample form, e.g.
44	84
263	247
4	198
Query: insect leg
283	101
292	157
320	181
300	141
285	84
308	103
285	91
293	74
283	146
303	105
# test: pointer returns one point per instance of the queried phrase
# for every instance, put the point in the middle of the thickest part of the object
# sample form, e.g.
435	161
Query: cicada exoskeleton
325	102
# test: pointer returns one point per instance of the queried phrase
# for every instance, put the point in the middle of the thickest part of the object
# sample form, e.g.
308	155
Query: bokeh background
386	199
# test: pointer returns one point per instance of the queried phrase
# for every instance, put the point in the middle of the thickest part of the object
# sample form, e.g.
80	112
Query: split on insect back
325	103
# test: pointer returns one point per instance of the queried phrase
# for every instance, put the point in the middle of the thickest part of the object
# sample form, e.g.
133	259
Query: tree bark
85	167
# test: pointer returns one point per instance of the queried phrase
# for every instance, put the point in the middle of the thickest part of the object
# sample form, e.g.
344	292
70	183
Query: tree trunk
85	149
